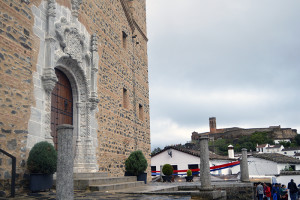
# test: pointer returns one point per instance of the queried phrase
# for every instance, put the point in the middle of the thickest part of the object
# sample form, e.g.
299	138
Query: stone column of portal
244	166
204	165
64	174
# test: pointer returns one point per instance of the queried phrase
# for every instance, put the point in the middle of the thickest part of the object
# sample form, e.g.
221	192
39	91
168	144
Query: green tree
155	150
297	139
136	163
285	144
261	138
221	146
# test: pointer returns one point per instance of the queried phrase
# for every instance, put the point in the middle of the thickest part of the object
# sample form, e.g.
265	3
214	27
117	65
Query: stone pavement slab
87	195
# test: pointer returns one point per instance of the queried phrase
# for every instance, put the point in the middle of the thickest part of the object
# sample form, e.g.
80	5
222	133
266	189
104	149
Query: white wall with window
185	161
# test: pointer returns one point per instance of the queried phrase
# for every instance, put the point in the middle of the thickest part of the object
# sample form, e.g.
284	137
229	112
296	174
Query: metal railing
13	172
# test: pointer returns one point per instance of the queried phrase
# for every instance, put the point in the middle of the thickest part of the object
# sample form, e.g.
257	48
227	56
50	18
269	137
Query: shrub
189	172
167	170
136	163
42	158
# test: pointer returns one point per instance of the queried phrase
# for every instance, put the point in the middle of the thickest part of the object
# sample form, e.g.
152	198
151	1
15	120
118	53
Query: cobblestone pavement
97	196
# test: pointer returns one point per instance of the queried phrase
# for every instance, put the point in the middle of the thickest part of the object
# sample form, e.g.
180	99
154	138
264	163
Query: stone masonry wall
120	130
18	53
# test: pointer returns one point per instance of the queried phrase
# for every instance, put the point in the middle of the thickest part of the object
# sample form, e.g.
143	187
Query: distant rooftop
276	157
212	156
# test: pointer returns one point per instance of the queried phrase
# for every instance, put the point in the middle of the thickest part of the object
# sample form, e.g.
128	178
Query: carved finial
51	8
49	79
25	1
93	101
94	42
75	7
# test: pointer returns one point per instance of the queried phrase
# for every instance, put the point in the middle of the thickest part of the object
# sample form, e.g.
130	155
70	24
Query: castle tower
212	125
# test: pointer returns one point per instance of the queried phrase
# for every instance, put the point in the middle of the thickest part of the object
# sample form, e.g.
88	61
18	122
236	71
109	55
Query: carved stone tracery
51	8
71	41
75	7
70	50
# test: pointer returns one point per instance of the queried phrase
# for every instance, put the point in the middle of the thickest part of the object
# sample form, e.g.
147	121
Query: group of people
278	191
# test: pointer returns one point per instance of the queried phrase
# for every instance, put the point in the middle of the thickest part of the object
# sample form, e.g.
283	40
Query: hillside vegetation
220	146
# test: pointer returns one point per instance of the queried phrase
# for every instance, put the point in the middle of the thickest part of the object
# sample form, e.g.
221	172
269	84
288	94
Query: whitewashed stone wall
182	160
65	44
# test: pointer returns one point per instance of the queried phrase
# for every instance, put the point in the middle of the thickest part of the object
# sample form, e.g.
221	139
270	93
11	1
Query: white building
183	159
274	148
272	165
292	151
262	148
268	148
276	141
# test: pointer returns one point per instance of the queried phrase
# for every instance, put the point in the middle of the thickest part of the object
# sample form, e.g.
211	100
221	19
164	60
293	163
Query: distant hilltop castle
278	133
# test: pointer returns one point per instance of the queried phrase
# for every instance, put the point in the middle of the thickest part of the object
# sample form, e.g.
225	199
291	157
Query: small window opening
153	170
141	112
293	167
125	98
124	40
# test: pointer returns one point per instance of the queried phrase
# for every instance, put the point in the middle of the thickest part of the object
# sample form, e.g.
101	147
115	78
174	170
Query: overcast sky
238	61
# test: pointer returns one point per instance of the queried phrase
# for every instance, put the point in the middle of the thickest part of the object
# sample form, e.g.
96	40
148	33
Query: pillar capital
65	126
204	137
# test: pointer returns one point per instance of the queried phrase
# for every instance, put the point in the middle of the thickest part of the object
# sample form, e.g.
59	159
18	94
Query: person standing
267	190
299	192
283	193
260	191
275	195
277	190
293	189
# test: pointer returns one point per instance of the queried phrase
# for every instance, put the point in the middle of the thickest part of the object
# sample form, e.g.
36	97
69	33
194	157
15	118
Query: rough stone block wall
241	191
120	131
18	51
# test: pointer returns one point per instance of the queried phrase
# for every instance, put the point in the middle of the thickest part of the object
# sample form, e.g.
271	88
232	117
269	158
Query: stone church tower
78	62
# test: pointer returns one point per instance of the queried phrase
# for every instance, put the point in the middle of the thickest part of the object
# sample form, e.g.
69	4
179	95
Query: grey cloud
203	47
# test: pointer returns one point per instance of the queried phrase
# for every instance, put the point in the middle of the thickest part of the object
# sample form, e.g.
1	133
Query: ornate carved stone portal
71	49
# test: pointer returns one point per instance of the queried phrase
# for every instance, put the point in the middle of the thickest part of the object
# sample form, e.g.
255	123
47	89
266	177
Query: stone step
89	175
149	189
116	186
83	184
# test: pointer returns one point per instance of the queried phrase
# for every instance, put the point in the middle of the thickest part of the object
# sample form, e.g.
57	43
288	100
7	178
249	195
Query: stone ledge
290	172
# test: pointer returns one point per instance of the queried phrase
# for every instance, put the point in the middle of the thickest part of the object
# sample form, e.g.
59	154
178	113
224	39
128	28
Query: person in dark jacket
293	189
299	192
277	190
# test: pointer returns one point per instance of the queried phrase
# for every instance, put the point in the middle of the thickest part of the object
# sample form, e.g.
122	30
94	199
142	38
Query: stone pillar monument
244	166
204	165
65	160
161	173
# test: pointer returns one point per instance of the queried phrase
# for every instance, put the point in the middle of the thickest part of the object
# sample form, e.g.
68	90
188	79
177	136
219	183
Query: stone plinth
209	195
64	174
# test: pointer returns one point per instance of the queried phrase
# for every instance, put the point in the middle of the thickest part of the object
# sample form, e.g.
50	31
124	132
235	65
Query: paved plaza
97	196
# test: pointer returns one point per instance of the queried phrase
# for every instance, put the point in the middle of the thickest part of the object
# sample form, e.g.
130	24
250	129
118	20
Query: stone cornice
140	30
132	23
127	14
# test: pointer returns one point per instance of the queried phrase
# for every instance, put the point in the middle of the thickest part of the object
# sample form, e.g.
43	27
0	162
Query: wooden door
61	104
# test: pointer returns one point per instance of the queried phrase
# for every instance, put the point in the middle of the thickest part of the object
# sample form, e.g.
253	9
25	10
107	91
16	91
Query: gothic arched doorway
61	104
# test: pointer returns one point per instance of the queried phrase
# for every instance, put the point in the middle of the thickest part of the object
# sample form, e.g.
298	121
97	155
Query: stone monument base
209	195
